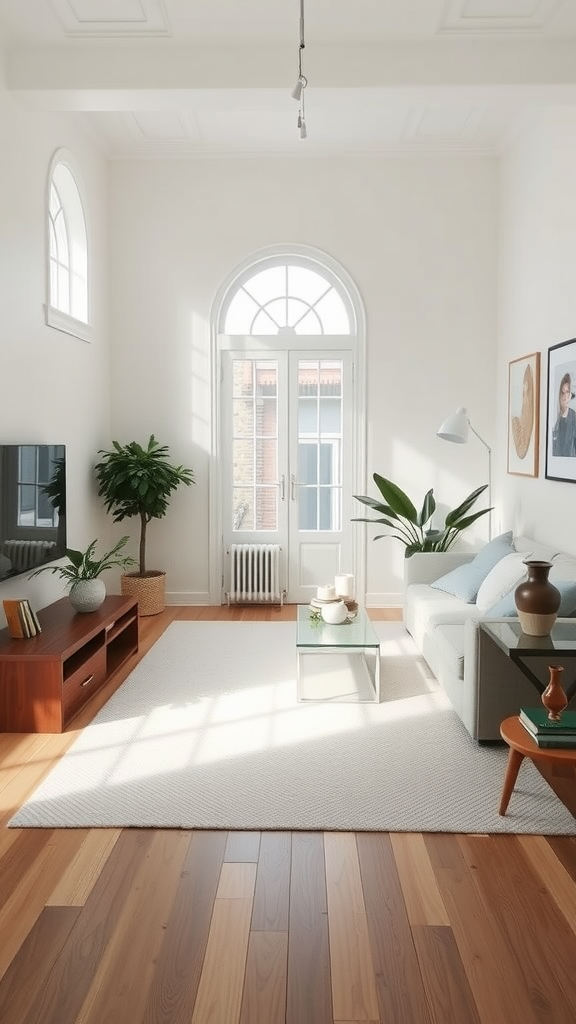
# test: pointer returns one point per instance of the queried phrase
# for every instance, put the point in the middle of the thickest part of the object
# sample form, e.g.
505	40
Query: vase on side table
537	600
554	697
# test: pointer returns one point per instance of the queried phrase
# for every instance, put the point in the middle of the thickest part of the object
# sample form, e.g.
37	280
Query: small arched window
67	306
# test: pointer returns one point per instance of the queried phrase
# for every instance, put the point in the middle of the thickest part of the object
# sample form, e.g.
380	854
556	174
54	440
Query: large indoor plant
138	481
410	526
83	570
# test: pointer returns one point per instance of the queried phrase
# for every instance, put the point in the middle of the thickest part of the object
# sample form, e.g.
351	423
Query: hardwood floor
164	927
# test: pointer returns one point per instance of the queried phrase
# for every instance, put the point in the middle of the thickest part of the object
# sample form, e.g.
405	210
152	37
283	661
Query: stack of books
547	733
22	621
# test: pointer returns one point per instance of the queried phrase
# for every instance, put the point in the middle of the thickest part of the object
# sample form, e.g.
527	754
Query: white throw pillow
504	577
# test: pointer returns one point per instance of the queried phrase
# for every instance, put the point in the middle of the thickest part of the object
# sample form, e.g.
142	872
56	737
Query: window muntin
67	253
288	297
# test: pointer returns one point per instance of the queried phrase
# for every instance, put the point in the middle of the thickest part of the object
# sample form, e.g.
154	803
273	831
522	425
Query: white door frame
220	342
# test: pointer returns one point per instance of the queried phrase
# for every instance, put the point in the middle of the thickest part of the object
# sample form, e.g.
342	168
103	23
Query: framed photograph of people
523	415
561	412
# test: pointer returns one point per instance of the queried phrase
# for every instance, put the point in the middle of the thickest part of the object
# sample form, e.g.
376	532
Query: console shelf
46	680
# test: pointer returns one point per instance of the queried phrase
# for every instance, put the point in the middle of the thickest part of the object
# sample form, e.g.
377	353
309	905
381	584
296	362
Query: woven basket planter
149	590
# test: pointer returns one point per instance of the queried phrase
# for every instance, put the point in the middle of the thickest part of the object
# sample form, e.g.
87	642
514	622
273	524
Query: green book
536	721
557	741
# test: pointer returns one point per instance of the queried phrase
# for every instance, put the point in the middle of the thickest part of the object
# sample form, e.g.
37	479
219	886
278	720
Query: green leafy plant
84	565
138	481
409	525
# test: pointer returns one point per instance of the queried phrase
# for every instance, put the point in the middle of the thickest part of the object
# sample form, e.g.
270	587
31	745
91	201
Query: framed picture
561	412
524	415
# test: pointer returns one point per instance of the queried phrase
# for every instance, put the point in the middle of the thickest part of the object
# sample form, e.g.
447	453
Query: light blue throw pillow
506	609
464	582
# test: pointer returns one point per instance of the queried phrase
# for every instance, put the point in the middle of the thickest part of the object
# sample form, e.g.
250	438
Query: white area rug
207	733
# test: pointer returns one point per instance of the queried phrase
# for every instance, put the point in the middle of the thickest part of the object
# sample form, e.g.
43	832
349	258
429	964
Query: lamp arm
489	450
485	443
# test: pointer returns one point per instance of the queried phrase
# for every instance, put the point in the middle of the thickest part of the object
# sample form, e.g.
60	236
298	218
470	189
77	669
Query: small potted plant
138	481
82	573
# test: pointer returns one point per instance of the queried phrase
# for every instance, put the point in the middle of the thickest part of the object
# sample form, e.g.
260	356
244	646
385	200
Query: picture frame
561	429
524	415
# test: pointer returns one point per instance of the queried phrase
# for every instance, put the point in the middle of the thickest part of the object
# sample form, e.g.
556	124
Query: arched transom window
288	296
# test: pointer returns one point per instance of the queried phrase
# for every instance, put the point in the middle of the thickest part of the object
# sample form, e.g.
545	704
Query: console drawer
83	682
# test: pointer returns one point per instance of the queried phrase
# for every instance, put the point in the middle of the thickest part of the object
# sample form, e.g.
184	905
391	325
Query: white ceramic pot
87	595
334	613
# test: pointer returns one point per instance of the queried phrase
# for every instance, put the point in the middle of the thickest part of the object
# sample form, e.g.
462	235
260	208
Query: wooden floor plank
27	899
272	895
500	870
353	986
242	846
264	995
445	982
421	894
62	997
309	998
31	967
119	987
494	976
73	889
172	995
400	989
559	883
219	998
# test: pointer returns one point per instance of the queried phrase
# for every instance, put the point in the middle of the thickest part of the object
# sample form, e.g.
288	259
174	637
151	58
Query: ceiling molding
515	16
110	18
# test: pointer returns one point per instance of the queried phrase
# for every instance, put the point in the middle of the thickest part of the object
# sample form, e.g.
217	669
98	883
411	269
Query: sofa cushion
506	608
465	581
504	577
450	645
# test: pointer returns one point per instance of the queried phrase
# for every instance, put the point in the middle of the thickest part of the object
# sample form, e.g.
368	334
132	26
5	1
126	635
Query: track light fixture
301	81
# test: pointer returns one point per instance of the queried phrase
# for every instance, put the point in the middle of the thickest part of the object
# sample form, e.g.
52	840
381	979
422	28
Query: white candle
344	585
326	593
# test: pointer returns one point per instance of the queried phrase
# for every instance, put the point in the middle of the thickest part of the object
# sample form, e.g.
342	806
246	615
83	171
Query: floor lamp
455	429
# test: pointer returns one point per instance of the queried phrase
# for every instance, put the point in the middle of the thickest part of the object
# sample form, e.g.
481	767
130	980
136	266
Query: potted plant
138	481
410	526
82	573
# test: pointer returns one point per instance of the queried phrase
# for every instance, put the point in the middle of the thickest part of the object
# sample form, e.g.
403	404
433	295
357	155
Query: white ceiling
198	77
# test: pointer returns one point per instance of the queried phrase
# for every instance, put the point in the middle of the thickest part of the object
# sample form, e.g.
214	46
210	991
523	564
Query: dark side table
556	649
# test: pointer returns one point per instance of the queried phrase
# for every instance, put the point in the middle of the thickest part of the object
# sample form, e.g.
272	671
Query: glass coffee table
337	663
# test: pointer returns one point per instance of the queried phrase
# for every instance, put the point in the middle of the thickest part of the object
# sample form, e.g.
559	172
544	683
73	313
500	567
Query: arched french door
288	411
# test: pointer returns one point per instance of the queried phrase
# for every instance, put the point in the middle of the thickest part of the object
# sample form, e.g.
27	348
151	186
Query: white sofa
482	683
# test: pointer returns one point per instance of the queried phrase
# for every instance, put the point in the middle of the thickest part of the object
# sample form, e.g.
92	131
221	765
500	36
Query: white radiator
26	554
255	573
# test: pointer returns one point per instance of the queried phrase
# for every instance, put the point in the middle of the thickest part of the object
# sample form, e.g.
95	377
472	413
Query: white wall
417	235
537	247
55	388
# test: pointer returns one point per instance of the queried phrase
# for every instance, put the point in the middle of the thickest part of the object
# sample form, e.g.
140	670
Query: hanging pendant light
301	81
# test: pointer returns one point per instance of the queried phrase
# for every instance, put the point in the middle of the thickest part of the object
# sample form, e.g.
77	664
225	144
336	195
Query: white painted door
287	419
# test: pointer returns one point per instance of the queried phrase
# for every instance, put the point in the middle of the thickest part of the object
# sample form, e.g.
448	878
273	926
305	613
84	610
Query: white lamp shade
297	90
455	428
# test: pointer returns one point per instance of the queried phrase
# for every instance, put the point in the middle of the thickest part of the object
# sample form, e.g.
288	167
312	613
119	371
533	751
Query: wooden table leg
515	759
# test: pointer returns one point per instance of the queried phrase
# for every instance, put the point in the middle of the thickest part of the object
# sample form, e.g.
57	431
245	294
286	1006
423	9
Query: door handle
282	486
293	482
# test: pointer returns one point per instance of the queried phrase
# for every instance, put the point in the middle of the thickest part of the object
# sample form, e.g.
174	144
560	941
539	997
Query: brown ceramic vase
554	697
537	600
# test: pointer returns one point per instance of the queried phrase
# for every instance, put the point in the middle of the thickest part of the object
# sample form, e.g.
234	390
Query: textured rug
206	732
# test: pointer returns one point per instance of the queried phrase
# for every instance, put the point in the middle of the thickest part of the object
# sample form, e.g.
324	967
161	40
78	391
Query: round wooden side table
522	745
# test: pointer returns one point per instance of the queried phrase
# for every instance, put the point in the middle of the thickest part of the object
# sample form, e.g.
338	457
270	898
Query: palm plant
409	525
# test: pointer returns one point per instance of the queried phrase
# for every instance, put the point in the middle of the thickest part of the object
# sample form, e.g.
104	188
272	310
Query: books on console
547	733
22	620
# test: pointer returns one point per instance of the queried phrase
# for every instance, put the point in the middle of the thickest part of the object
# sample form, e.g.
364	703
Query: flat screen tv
32	506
